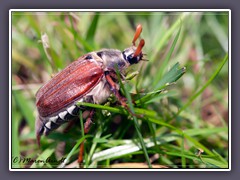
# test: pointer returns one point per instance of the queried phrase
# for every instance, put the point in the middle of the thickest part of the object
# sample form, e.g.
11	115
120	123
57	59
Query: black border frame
120	169
4	91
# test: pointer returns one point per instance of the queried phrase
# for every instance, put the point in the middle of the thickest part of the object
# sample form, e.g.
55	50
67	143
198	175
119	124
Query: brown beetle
91	78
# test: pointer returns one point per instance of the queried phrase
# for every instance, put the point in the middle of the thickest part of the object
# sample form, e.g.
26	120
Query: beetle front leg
109	77
87	126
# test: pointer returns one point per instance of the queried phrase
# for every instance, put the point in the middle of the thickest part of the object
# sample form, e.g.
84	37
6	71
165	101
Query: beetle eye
133	60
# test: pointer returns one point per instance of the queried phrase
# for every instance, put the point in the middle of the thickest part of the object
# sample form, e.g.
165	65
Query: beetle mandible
91	78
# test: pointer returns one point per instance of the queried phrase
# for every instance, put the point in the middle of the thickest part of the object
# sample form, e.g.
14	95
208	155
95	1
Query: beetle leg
69	125
88	123
114	89
114	76
80	155
87	126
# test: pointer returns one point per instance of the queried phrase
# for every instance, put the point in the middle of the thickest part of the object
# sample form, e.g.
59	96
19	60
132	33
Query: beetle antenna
137	33
139	48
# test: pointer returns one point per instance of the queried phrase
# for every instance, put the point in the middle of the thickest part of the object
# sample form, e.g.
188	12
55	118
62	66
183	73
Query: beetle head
134	54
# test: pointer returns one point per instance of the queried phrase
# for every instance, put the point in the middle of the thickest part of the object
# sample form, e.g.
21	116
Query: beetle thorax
111	59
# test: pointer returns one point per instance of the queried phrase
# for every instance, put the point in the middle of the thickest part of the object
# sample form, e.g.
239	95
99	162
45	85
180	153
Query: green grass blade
73	150
220	158
137	127
168	34
180	132
93	147
206	131
171	76
43	157
74	32
129	147
15	138
166	60
160	96
34	23
83	134
85	44
214	162
25	107
183	159
192	98
197	144
92	29
119	110
52	57
217	30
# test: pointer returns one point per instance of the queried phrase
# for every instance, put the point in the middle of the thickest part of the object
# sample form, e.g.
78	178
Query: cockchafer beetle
91	78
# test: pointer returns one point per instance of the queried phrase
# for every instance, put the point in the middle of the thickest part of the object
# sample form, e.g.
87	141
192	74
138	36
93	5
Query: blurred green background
187	121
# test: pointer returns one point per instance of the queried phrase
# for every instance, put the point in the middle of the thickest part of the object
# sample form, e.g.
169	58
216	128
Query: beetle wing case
68	85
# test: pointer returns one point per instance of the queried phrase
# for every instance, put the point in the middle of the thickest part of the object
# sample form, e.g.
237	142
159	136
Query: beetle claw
132	113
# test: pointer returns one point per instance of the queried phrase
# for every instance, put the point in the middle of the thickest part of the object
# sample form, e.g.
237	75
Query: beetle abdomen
52	123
